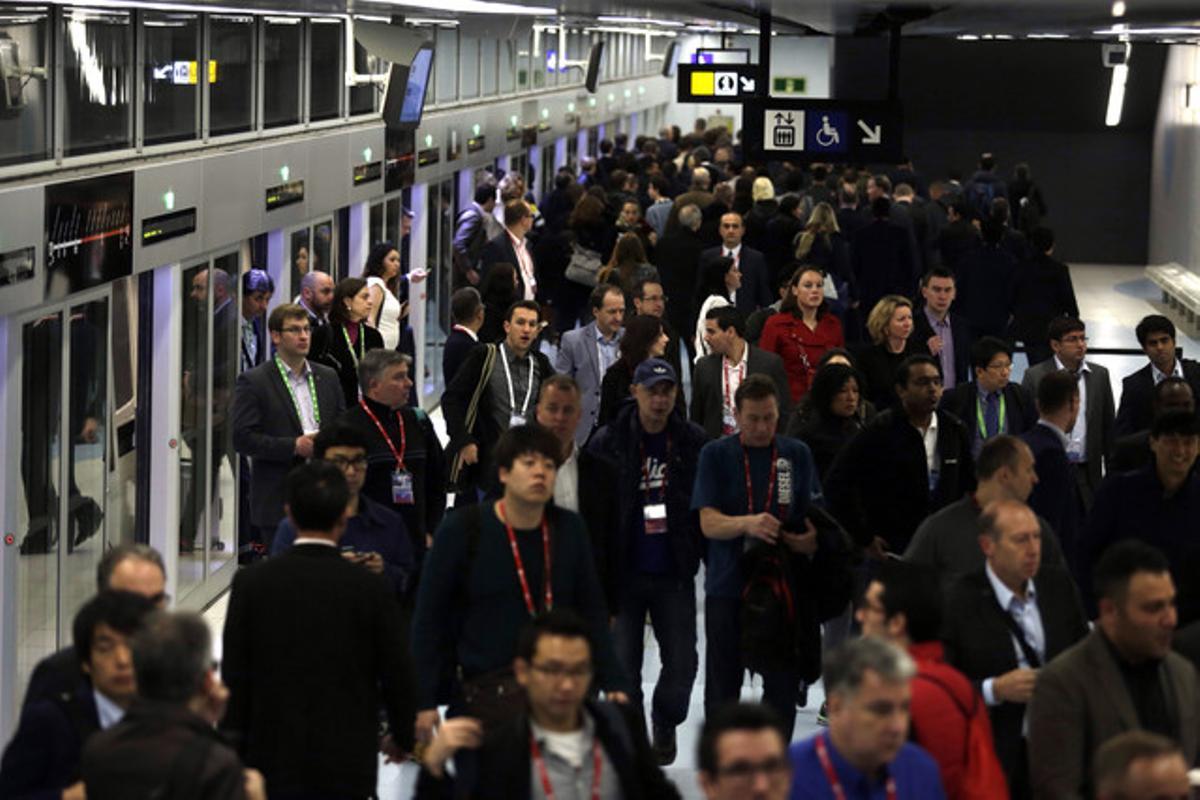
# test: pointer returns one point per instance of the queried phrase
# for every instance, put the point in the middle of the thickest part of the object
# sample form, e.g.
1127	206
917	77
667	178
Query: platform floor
1111	299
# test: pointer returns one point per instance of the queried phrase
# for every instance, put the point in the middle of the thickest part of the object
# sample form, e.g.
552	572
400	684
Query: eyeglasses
556	672
1001	367
745	771
347	464
297	330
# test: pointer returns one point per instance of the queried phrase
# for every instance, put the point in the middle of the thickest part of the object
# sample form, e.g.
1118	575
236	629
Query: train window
24	112
523	48
487	60
97	80
446	65
281	77
469	66
172	77
231	74
325	69
508	66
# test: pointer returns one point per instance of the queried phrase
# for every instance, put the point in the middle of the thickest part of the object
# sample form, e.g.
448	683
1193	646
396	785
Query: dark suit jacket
56	674
706	388
329	347
134	759
677	258
1019	407
979	644
1131	452
42	758
1081	701
1055	497
883	262
504	769
1136	412
597	494
265	428
1100	412
458	344
755	292
959	330
499	250
314	646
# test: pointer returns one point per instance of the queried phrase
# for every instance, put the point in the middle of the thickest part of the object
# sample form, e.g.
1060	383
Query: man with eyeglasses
562	745
742	755
991	405
375	536
1091	440
278	408
866	752
650	298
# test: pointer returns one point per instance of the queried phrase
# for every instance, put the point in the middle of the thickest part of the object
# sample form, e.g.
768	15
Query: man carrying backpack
753	491
903	605
984	187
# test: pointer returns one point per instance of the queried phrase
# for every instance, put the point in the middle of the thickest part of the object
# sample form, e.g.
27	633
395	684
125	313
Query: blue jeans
671	602
723	671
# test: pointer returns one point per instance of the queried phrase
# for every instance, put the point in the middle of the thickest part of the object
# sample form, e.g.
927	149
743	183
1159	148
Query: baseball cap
652	371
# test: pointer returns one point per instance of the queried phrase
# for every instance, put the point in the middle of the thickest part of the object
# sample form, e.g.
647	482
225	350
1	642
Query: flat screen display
414	89
89	233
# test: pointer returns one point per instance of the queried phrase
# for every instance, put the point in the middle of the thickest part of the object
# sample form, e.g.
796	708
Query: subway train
152	153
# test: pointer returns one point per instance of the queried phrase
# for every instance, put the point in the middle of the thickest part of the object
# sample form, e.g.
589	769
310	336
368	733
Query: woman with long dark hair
720	278
627	266
833	412
346	339
803	330
387	312
644	338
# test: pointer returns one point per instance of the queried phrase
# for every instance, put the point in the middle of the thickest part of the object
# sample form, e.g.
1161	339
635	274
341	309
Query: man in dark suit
959	238
1056	496
755	292
466	309
42	760
1002	624
314	646
1121	677
1156	336
180	699
717	376
1091	440
1041	292
882	258
993	404
511	247
472	230
677	258
277	410
946	335
1133	451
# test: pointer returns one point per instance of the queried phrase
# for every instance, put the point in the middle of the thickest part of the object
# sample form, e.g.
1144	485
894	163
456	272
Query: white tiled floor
1112	300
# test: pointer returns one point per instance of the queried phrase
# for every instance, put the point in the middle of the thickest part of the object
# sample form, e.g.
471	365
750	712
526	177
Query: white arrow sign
871	135
747	84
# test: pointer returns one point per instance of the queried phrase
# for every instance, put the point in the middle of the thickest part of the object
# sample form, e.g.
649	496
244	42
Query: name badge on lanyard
655	517
402	487
517	417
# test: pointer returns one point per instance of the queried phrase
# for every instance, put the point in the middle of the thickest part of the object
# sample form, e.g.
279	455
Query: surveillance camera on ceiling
1115	55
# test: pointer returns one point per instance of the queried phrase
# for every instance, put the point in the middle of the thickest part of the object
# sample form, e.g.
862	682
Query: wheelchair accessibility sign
827	131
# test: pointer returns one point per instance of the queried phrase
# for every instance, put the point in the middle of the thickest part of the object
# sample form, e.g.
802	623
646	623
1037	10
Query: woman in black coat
643	338
342	343
890	325
831	414
498	290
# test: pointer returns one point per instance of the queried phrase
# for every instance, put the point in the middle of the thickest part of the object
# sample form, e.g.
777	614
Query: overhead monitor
669	59
404	101
715	55
594	65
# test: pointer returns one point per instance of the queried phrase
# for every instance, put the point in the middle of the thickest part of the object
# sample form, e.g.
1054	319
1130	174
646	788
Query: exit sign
782	85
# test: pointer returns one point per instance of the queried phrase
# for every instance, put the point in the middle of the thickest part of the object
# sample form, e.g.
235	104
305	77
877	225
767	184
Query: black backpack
770	611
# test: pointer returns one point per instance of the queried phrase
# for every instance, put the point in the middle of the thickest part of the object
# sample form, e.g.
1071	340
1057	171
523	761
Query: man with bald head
316	297
1137	765
1007	619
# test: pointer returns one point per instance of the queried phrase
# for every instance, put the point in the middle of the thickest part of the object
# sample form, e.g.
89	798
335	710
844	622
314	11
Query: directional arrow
747	84
871	135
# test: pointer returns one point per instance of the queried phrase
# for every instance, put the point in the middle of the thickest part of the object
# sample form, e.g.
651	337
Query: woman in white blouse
387	312
720	279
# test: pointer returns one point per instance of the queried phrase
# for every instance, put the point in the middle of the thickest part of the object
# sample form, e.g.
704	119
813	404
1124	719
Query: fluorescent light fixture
1116	95
618	29
967	37
1048	36
666	23
1118	8
443	23
478	7
1127	31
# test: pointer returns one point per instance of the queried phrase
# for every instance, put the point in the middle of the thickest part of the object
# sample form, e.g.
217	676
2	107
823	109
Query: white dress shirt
1077	449
1027	616
566	482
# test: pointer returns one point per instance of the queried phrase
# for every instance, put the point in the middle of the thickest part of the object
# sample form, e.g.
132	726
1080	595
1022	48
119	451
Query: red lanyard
512	541
741	373
834	782
547	787
770	479
399	423
646	472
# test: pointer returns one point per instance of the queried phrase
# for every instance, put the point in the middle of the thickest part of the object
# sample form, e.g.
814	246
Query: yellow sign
191	72
703	83
212	71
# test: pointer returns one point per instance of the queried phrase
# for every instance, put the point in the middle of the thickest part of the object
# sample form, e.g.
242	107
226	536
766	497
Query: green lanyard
312	392
350	347
979	416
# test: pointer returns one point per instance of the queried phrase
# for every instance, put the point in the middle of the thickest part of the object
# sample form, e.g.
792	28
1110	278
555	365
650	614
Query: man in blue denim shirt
375	536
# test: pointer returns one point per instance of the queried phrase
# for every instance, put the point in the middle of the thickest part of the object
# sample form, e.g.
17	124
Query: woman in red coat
802	330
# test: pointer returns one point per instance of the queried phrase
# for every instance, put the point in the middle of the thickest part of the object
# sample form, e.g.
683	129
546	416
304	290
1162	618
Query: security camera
1115	55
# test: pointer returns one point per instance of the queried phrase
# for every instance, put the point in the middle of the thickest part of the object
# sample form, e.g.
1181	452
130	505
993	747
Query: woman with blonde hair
627	265
890	325
822	244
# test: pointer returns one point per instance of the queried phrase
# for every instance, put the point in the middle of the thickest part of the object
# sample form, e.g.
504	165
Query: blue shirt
914	770
374	529
721	484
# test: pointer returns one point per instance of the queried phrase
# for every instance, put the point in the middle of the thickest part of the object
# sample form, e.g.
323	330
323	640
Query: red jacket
799	347
938	723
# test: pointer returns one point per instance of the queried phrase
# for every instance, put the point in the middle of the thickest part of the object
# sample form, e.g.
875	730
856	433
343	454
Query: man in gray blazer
278	407
586	353
1122	676
1091	440
718	374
